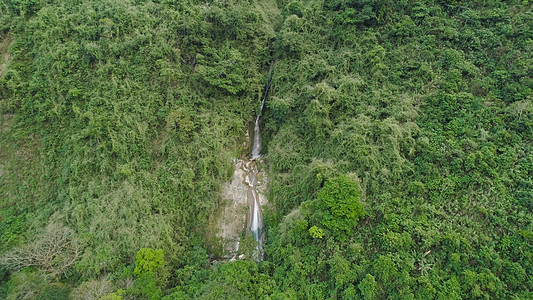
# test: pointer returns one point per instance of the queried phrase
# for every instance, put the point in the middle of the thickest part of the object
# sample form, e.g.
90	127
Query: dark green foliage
368	287
146	287
123	132
223	68
416	101
293	8
238	280
12	230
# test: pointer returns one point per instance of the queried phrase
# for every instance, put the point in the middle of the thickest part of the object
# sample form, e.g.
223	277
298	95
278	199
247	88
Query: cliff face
232	220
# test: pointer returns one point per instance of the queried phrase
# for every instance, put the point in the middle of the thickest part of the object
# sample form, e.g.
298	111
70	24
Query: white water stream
255	226
254	222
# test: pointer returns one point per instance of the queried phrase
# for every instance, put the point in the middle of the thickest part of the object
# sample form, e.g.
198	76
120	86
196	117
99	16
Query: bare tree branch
55	250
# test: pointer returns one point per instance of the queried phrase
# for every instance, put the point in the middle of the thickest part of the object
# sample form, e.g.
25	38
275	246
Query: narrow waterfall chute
255	226
256	145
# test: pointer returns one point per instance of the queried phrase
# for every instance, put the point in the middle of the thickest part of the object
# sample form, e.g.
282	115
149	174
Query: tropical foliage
397	138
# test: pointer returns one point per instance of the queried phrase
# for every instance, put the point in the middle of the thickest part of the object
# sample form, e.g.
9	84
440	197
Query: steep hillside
397	142
127	115
426	107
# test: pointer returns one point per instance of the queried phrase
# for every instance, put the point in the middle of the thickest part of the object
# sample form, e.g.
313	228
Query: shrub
316	232
148	260
342	209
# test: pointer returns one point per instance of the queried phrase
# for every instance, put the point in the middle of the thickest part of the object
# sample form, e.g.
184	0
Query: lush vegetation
398	139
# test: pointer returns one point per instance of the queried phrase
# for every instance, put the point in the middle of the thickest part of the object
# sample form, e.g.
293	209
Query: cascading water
255	216
256	145
255	225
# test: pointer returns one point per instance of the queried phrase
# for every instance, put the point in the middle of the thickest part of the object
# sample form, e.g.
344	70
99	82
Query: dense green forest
398	139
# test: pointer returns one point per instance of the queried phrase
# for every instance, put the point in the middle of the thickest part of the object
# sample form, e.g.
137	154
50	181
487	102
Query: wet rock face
245	191
237	197
232	222
261	186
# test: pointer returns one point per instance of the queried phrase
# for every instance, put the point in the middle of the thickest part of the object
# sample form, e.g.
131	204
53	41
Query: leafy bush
149	260
316	232
342	209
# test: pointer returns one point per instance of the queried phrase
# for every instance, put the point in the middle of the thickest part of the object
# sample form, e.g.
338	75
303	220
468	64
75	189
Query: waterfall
256	145
255	225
